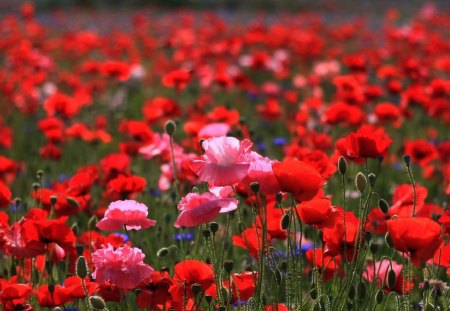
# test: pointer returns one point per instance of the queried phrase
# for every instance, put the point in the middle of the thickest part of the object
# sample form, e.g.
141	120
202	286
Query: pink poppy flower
123	267
261	171
197	209
127	213
214	130
226	161
159	146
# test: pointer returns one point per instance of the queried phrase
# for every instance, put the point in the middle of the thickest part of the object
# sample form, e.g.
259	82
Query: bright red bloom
252	239
74	287
12	294
315	211
298	178
186	273
155	291
57	297
338	237
419	237
331	264
367	142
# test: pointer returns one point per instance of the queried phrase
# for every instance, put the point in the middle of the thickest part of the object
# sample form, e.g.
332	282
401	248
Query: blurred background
351	6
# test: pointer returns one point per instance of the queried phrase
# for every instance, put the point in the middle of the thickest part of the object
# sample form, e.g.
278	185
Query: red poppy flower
328	265
177	79
419	237
13	295
298	178
421	151
186	273
338	237
125	186
51	298
155	291
315	211
251	241
367	142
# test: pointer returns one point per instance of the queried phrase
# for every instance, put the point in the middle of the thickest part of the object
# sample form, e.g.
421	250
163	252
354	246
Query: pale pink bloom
127	213
197	209
381	270
225	162
123	267
160	145
261	172
214	130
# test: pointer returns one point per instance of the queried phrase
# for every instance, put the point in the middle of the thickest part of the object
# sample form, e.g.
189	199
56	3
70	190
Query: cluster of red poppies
286	163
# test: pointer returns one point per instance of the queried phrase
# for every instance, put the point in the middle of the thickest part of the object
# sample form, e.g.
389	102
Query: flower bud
35	186
213	226
206	233
285	220
228	265
196	288
391	279
53	200
383	206
279	197
170	127
361	290
372	178
379	296
254	186
72	202
361	182
162	252
342	166
97	302
81	267
407	159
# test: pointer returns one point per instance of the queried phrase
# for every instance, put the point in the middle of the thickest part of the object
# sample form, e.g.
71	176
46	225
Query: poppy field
190	160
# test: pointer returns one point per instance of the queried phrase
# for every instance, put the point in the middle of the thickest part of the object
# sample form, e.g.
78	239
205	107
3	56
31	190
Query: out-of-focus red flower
177	79
155	291
421	151
367	142
126	186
